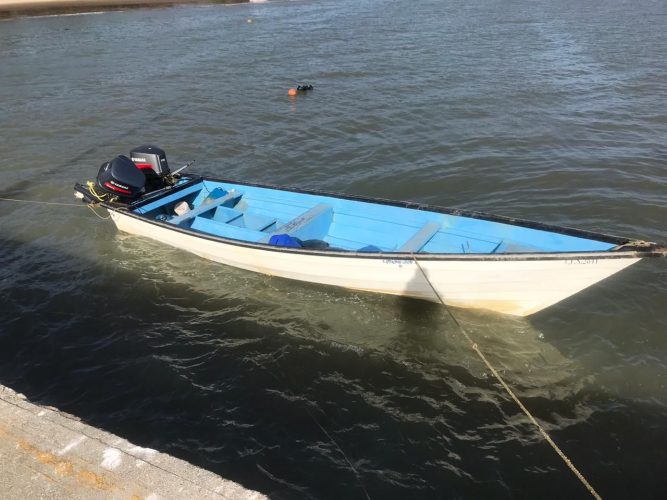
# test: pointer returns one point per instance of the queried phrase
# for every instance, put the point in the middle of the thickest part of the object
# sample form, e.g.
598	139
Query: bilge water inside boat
471	259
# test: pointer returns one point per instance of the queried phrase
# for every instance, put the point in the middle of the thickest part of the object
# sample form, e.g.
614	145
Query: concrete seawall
45	453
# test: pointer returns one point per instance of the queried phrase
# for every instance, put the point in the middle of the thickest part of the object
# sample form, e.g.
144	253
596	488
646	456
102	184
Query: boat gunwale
651	251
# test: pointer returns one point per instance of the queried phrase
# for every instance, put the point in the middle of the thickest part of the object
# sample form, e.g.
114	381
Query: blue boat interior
286	218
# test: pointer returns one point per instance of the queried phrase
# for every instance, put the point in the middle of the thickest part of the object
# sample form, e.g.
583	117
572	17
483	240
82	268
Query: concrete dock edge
45	453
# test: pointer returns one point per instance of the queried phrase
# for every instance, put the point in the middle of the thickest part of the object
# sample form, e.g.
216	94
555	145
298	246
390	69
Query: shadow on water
294	390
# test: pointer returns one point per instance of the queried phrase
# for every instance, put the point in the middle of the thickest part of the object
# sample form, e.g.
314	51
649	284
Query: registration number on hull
585	260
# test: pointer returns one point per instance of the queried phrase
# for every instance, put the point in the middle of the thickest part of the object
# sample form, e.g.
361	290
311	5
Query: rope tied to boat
100	196
39	202
634	244
507	388
57	203
91	205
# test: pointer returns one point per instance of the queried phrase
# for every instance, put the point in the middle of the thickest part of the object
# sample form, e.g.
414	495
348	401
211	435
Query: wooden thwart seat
205	207
420	238
226	215
313	223
216	228
257	222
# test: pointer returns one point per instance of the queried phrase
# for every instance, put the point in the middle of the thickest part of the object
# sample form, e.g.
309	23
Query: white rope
90	205
516	399
44	202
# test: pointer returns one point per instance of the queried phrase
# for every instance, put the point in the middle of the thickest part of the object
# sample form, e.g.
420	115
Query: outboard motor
120	177
152	161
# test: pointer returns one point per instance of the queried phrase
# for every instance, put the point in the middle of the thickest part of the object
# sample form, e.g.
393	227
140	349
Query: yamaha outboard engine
152	161
120	177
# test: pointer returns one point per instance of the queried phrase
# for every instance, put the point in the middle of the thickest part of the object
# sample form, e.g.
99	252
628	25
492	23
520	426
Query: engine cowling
122	178
152	161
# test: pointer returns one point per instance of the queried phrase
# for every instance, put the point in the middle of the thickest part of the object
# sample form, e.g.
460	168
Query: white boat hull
512	284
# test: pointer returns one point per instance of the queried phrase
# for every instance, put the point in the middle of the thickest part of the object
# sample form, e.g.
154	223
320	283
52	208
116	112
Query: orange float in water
291	92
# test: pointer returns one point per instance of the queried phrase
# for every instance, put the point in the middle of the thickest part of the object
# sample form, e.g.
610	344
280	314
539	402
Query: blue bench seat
312	224
226	214
216	228
258	222
230	198
420	238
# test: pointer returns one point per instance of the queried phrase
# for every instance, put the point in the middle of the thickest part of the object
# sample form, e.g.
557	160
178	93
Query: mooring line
39	202
89	205
349	463
290	383
516	399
